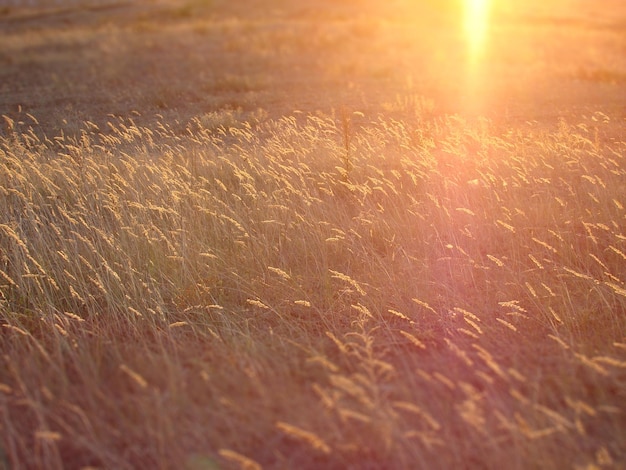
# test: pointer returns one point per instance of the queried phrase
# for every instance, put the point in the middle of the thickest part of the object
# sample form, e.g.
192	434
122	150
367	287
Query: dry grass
184	58
239	297
194	274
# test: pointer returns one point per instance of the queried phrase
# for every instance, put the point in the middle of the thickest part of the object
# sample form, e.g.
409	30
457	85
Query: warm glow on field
476	22
269	234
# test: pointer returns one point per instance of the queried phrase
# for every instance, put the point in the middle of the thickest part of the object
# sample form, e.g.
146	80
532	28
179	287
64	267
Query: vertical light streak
476	24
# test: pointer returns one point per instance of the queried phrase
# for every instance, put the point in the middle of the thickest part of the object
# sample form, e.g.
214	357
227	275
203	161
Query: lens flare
476	22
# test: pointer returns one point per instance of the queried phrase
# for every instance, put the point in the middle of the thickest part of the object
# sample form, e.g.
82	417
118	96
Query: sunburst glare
476	23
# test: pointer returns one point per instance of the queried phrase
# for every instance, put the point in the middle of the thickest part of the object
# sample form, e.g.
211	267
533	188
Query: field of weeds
277	296
343	288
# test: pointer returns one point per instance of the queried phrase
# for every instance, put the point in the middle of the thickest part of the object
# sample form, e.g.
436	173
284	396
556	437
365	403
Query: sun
476	22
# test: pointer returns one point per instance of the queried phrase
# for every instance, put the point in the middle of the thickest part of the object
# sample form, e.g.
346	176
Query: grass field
312	235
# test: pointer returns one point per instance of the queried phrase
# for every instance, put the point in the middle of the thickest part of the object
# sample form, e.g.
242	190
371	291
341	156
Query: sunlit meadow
339	289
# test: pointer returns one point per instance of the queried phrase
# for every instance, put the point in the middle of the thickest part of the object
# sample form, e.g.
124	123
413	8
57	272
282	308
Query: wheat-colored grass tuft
408	292
306	437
